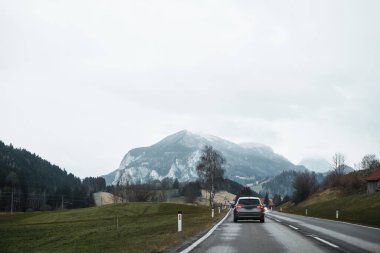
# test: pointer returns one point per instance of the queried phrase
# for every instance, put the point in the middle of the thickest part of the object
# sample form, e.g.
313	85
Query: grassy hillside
143	227
360	208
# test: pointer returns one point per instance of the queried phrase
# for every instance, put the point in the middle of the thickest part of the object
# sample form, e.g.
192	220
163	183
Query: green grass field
360	208
143	227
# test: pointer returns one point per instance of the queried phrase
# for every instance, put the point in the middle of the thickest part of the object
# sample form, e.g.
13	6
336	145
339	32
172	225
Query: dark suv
249	208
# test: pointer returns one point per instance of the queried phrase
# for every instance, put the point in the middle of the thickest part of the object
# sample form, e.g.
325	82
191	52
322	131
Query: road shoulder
195	240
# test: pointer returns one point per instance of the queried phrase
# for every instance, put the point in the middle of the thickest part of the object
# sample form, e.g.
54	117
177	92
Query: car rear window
249	202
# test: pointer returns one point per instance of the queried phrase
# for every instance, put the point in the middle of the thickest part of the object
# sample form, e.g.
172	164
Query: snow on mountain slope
177	155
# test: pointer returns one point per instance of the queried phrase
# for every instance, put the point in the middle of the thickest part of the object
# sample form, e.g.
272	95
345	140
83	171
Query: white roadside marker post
337	214
280	209
179	221
219	209
212	213
306	211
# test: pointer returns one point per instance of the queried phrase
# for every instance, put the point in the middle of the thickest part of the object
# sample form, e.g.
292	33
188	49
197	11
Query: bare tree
370	162
338	164
210	171
141	192
167	183
191	191
304	184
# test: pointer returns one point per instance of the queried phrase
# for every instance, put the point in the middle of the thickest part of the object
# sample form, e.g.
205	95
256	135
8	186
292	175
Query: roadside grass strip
115	228
361	209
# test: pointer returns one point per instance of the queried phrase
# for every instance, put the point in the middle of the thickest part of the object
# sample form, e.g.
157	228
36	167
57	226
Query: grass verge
360	208
142	227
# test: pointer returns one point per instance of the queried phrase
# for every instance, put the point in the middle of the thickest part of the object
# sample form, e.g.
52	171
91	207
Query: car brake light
260	207
238	206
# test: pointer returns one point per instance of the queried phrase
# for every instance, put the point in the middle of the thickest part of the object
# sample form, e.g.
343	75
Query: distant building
373	181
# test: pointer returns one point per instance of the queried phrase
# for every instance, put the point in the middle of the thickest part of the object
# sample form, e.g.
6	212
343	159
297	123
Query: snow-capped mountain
177	155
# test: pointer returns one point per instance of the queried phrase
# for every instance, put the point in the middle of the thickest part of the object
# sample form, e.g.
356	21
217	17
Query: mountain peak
177	155
179	134
184	131
183	137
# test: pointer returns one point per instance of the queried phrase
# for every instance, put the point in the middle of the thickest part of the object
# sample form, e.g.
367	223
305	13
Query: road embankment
361	208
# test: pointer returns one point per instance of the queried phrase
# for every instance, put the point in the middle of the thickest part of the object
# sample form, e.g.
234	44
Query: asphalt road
290	233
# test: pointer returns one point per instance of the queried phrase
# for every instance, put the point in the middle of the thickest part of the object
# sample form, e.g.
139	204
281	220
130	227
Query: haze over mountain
176	156
316	164
320	165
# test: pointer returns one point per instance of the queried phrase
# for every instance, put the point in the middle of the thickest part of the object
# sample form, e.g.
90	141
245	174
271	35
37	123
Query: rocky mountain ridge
177	155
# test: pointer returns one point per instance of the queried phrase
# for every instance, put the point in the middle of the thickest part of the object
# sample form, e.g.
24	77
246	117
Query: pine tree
266	199
176	184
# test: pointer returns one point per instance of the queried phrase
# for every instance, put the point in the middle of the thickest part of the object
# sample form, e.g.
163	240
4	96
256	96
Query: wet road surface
289	233
347	237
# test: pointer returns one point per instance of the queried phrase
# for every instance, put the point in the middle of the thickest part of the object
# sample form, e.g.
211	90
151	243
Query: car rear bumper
249	215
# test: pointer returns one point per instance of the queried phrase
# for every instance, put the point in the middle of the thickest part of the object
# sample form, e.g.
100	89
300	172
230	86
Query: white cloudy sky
82	82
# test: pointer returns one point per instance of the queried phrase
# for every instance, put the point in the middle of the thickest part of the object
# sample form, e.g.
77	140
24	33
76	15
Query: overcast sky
83	82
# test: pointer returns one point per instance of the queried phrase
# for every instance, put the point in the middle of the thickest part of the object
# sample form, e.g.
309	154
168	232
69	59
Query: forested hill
282	184
35	184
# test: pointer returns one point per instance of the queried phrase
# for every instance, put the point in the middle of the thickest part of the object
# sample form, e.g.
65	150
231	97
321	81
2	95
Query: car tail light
260	207
238	206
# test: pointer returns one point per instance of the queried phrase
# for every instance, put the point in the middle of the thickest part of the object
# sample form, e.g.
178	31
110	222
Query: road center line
293	227
326	242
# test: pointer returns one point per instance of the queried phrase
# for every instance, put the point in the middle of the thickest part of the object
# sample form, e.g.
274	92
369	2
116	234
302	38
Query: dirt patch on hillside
105	198
325	195
220	197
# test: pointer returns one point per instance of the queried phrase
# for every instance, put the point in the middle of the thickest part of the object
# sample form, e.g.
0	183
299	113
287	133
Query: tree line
153	191
305	183
30	183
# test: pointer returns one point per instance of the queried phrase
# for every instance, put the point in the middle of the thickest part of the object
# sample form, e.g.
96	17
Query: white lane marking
348	223
200	240
361	243
353	240
326	242
293	227
277	220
